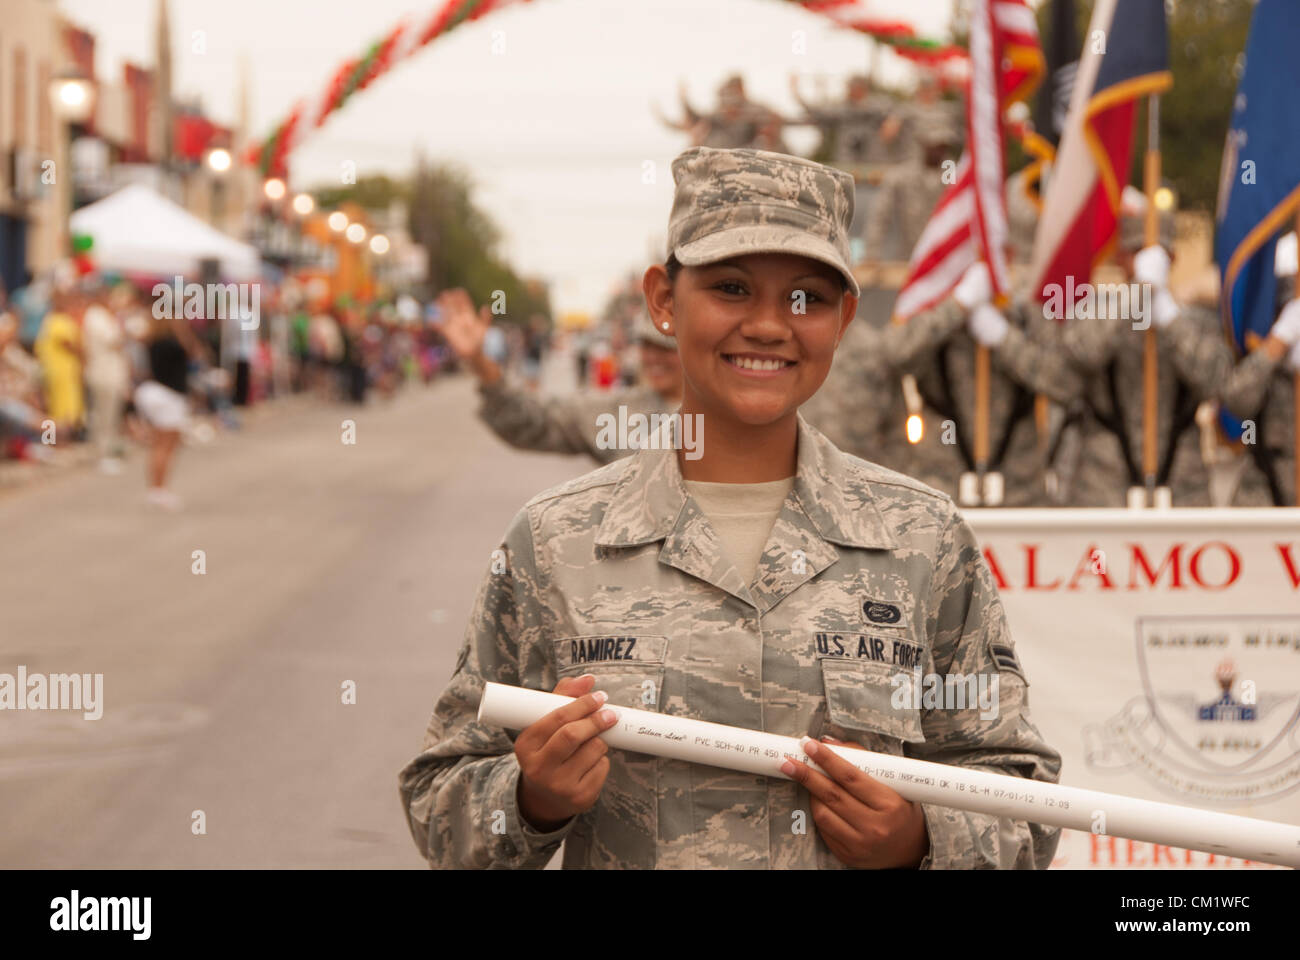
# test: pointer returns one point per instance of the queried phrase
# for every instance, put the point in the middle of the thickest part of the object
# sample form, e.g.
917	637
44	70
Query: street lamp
219	160
72	99
274	189
379	244
73	96
338	221
303	204
356	232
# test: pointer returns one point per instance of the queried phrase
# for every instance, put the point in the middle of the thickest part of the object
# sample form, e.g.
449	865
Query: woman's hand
562	761
864	822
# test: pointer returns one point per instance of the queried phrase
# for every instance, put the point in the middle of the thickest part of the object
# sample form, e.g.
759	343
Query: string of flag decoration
902	37
408	38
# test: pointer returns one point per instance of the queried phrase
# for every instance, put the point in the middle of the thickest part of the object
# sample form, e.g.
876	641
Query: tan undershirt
743	515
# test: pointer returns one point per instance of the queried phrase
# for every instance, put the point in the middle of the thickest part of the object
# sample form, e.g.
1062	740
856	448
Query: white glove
987	325
976	286
1287	326
1151	265
1164	308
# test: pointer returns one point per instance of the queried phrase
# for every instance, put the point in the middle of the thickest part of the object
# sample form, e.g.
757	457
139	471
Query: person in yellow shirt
58	347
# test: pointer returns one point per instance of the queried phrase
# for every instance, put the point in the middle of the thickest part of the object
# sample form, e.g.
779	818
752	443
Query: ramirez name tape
976	791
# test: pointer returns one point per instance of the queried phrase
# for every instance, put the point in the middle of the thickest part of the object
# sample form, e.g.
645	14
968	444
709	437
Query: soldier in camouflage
928	119
945	377
861	408
1260	388
736	122
1098	362
860	576
942	363
908	195
571	423
851	129
865	135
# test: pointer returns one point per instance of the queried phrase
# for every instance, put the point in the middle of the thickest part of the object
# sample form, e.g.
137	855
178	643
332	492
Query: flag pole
1150	399
1295	383
981	412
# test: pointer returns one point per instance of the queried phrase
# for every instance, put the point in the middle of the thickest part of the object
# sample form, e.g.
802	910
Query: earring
665	326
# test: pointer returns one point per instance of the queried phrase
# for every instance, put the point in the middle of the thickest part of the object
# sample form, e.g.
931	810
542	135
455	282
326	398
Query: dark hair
673	267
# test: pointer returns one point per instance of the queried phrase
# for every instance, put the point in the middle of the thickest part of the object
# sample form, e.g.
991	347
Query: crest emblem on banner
1219	716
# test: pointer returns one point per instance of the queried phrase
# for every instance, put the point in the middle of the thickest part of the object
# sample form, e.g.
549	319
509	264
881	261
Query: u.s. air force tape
962	788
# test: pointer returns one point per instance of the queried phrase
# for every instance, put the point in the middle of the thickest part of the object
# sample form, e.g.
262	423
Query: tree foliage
1206	42
459	239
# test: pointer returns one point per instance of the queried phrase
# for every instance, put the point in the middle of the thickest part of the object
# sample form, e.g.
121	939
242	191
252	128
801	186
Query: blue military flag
1259	191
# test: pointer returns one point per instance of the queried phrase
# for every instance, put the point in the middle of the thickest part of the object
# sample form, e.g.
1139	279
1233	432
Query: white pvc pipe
976	791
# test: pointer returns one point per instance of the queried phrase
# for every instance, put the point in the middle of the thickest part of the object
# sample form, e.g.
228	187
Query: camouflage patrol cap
734	202
644	331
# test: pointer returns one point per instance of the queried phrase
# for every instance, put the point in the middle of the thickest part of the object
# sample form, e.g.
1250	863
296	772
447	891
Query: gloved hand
987	325
1287	326
1151	265
1164	308
975	288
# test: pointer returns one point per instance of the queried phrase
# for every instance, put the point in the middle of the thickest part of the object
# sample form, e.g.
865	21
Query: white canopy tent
135	230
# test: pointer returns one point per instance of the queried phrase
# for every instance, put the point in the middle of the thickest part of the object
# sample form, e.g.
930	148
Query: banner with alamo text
1163	656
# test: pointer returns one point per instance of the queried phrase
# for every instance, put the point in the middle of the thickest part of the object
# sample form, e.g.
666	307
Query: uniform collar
648	500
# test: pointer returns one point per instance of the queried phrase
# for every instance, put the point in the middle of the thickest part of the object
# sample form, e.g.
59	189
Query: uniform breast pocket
871	703
629	668
620	831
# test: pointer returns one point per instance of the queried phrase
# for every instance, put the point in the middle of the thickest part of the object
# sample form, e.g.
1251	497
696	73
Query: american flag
969	223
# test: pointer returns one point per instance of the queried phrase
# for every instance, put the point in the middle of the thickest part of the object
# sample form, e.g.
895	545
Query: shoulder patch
1004	658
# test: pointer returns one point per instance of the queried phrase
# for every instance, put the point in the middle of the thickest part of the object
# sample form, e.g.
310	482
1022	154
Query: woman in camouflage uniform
773	582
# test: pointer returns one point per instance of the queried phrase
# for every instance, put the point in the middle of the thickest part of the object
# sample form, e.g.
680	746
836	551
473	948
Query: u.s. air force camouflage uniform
945	375
1105	357
861	560
564	424
1261	389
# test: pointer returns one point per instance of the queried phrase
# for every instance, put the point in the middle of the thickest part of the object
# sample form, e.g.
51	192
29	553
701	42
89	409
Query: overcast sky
555	130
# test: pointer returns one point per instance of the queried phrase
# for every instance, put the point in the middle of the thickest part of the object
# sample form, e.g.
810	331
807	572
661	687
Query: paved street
325	563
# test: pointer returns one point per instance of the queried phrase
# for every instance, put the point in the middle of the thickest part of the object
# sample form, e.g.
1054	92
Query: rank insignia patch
1004	657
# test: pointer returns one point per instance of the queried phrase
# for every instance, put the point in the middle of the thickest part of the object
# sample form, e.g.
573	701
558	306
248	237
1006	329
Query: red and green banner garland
271	156
901	36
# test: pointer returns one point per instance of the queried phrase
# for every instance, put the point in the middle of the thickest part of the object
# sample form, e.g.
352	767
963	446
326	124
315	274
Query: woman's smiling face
756	333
